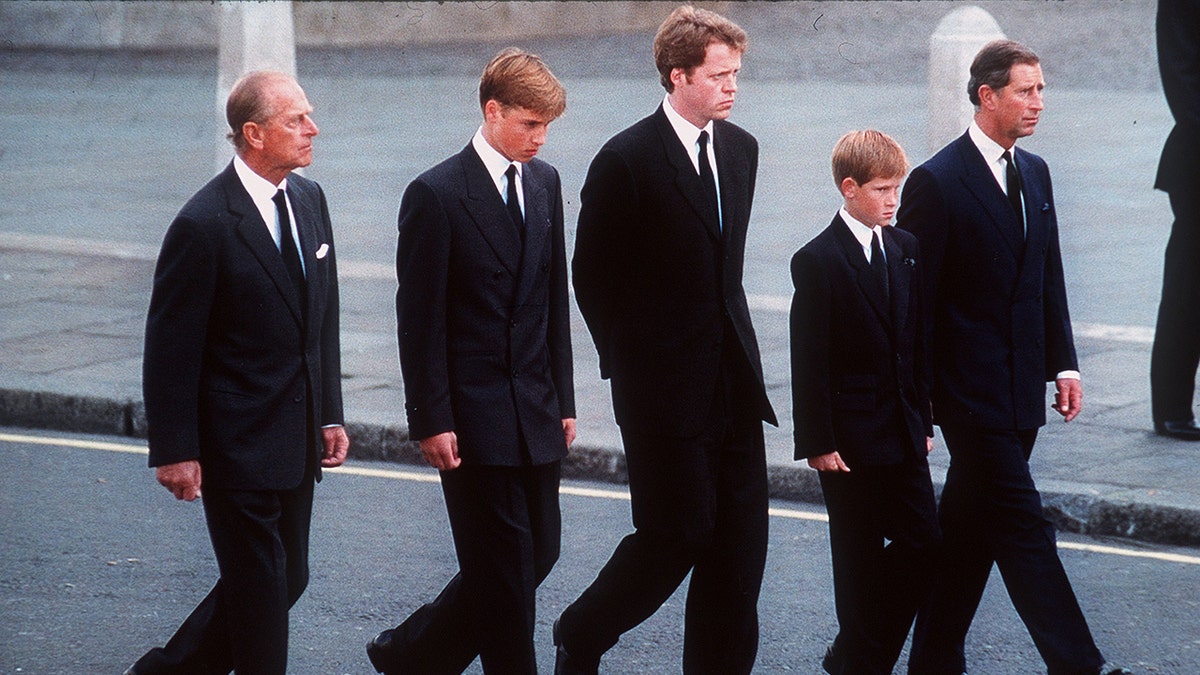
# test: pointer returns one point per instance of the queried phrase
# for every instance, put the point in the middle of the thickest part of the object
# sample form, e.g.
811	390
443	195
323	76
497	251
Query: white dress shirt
863	233
689	135
497	167
262	193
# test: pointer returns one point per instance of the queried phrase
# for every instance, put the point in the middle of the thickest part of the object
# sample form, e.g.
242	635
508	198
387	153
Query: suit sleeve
331	350
559	328
181	302
607	210
422	272
812	407
1060	339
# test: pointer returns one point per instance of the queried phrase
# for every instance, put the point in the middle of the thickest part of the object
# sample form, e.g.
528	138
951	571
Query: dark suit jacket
1178	34
484	323
1000	324
236	373
859	380
658	282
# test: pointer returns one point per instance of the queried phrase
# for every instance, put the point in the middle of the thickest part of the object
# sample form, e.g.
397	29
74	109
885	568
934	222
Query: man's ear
253	133
987	97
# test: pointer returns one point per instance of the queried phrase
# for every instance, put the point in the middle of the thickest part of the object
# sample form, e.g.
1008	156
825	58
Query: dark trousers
991	512
883	535
261	543
1176	350
507	526
700	505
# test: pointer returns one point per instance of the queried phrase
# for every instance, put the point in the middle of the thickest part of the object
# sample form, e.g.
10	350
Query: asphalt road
99	563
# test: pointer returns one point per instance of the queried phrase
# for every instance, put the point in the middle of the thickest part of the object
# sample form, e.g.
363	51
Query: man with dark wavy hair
658	276
983	211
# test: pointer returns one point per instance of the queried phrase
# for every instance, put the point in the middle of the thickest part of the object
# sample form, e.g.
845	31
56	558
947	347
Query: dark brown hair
993	63
683	39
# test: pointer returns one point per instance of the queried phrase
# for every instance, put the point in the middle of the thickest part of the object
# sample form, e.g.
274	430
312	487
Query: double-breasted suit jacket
860	384
237	373
658	279
483	314
998	298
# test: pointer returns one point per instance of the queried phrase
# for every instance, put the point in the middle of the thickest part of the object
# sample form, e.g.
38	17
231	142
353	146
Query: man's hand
831	461
1068	399
441	451
337	446
569	430
928	444
181	478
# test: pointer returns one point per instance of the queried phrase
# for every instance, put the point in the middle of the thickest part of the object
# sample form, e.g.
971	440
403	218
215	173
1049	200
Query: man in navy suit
658	276
242	378
983	211
483	317
1176	351
860	400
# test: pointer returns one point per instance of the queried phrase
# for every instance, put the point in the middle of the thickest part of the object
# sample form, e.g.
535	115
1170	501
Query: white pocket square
321	252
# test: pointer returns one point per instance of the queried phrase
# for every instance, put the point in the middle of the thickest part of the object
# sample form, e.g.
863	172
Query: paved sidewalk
98	152
71	318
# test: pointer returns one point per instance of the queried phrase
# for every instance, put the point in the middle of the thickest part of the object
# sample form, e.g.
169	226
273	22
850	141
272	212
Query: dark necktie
1013	180
287	245
514	204
706	177
878	265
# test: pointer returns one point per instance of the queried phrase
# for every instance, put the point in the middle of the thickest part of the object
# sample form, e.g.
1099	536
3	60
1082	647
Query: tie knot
1007	157
279	199
511	173
703	138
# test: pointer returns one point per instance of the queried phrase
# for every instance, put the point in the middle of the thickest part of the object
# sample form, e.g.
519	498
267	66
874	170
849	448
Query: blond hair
867	155
516	78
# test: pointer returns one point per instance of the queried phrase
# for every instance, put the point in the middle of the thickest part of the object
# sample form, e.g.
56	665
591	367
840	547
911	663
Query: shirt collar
686	131
495	162
991	150
260	188
862	232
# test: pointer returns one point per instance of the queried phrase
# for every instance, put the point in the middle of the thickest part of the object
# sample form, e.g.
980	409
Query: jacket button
298	398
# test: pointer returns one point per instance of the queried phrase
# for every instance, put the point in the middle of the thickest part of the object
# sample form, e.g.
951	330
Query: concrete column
253	36
957	39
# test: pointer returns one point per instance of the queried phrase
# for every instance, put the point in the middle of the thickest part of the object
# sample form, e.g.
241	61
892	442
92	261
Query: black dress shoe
380	652
1185	430
564	664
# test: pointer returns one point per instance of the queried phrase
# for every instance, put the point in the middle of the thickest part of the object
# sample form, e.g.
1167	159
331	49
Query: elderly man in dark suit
242	378
860	401
983	211
1176	351
658	276
485	348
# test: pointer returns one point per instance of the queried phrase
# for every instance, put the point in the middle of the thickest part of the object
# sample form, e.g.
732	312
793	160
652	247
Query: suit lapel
254	234
307	209
900	271
537	228
981	182
1037	209
862	269
733	177
686	178
486	207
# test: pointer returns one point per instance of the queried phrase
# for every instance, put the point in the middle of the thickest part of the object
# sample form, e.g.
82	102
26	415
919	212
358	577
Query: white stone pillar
957	39
253	36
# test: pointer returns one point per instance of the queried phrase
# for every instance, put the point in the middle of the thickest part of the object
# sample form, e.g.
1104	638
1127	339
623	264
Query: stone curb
1079	510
